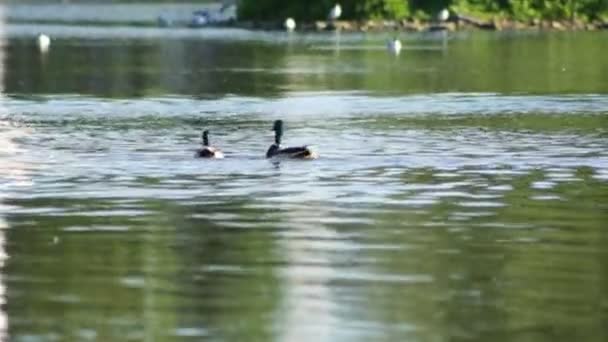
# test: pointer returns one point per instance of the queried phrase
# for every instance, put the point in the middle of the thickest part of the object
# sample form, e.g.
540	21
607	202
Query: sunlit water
461	193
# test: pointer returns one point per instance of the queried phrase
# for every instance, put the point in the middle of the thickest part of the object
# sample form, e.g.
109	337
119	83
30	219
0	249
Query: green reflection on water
528	269
518	63
159	275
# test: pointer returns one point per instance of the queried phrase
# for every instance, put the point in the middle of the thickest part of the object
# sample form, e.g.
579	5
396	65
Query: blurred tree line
424	9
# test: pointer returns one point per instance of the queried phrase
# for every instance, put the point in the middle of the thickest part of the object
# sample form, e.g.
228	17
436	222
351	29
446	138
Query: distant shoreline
136	13
460	24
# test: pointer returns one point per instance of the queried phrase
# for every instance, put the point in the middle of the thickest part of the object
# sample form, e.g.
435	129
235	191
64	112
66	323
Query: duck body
300	152
208	151
277	151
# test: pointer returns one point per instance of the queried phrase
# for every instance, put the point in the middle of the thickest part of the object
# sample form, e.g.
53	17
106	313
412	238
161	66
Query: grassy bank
513	10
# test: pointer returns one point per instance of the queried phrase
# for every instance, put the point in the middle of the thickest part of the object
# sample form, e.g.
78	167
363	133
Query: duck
335	12
290	24
394	46
208	151
44	42
276	150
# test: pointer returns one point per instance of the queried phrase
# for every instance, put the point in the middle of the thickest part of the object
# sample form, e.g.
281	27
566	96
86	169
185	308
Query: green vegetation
397	9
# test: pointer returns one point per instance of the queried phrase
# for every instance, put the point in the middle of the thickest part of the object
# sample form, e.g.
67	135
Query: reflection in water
213	63
308	273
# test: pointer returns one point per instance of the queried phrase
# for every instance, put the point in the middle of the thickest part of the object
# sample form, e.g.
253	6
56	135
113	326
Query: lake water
461	193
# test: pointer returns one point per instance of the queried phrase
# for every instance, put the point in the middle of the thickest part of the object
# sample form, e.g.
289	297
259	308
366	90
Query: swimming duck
394	46
208	151
275	150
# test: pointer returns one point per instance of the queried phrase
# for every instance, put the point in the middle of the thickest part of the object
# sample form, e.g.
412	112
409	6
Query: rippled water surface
461	193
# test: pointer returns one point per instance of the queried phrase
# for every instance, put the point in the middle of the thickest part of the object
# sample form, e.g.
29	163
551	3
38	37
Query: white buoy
290	24
443	15
335	12
394	46
44	42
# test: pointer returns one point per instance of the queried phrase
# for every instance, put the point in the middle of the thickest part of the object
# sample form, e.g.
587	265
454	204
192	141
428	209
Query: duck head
206	137
278	131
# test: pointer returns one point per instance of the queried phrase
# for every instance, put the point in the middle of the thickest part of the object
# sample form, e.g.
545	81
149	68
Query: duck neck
277	137
205	138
